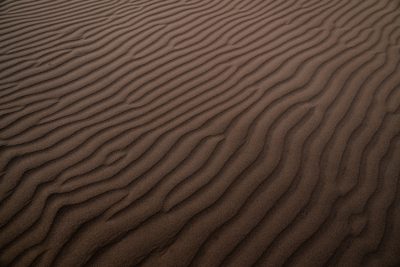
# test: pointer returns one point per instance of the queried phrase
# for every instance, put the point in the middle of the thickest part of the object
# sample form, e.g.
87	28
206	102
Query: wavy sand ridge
202	133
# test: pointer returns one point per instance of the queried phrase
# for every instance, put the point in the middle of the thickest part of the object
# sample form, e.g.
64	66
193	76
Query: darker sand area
200	133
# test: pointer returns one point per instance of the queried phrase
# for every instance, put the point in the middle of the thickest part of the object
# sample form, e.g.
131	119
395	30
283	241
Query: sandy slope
202	133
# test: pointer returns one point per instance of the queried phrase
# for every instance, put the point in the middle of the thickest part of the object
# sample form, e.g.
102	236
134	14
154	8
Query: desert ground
207	133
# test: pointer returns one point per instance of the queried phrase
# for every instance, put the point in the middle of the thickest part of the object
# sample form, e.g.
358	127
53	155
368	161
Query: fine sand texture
174	133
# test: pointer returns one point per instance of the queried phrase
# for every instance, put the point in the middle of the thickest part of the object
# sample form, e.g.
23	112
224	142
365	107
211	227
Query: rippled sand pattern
199	133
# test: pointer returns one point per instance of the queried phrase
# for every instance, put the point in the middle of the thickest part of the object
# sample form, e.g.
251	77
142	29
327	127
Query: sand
200	133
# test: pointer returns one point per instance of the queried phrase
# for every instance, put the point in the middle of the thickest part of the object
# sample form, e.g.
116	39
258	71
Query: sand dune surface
199	133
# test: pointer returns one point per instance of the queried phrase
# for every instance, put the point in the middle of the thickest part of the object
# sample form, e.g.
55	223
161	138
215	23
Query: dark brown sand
201	133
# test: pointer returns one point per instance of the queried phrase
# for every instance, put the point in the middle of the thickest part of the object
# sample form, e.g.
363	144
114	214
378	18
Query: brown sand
202	133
